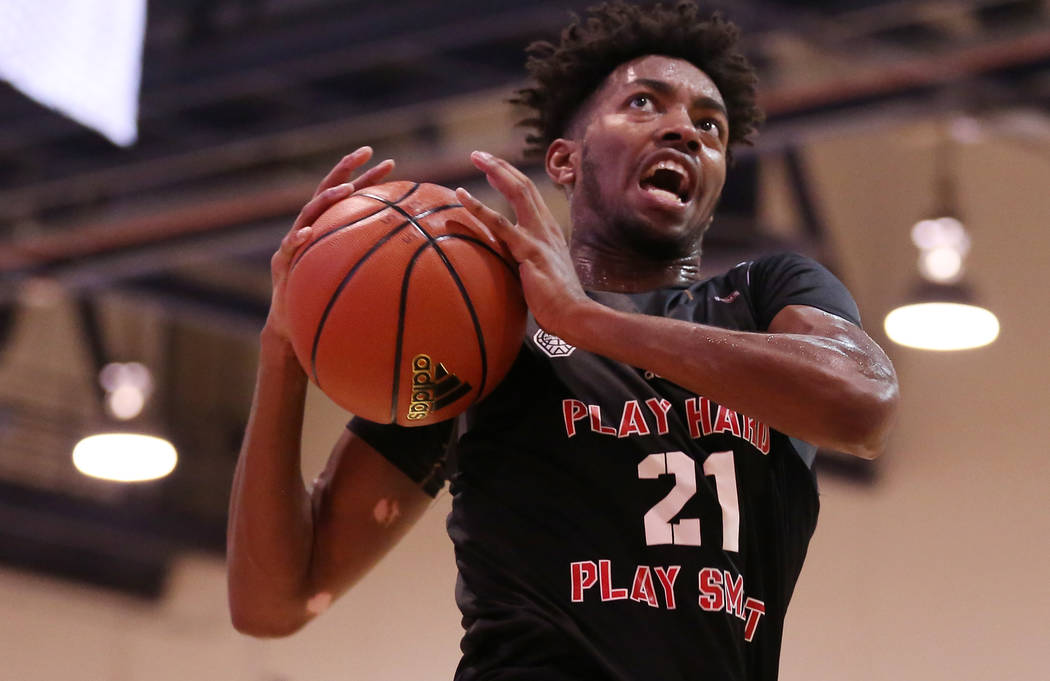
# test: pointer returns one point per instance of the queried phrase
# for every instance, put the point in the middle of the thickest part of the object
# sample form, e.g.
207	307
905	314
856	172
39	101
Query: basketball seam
346	280
479	334
301	253
306	249
339	290
400	339
430	241
478	242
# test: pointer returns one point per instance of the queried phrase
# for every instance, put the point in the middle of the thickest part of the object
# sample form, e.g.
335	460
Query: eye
710	125
641	101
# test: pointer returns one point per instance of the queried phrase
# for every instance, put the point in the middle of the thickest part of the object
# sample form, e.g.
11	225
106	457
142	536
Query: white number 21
660	529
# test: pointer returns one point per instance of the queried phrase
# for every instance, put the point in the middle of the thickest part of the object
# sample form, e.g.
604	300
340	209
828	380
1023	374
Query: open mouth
667	179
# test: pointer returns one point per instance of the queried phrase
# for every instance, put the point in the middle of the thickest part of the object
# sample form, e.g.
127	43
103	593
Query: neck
610	255
627	271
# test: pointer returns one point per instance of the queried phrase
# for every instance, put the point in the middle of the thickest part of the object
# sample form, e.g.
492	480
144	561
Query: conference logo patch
551	345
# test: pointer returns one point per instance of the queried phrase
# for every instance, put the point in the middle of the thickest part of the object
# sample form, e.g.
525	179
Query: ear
561	162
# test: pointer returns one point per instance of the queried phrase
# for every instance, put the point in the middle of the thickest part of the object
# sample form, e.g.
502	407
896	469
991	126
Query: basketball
398	311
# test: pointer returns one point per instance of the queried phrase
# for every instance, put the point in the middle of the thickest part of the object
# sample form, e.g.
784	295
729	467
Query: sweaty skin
835	386
648	110
291	551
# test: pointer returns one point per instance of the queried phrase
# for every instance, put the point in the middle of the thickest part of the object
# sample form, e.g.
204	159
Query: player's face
653	143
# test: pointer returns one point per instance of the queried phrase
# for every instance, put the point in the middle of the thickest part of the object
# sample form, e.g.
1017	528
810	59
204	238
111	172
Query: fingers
320	203
490	225
514	185
336	185
535	226
342	170
295	239
521	243
289	245
374	175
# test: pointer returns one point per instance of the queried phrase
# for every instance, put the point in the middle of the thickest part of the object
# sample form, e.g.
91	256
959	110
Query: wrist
274	345
582	321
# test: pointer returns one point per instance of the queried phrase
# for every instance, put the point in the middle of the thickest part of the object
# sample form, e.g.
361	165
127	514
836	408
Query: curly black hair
615	32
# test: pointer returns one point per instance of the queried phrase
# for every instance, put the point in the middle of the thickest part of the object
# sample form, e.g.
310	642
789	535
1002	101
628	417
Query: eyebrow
664	88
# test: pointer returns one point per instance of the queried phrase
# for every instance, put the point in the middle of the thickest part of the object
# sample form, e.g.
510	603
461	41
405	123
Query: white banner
80	57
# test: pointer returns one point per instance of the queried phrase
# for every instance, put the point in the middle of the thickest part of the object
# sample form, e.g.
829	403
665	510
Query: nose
680	132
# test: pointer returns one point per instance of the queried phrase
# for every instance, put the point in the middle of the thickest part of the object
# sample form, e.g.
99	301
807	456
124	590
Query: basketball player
635	499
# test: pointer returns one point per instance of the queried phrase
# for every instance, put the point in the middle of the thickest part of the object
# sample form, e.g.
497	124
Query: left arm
812	375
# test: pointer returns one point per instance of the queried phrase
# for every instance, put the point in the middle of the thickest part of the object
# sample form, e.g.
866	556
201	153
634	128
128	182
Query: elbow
259	622
868	419
260	627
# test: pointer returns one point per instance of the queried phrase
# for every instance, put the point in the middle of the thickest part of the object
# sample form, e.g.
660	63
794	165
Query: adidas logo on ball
433	388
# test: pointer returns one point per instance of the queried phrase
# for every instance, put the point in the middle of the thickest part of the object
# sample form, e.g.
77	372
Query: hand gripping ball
398	311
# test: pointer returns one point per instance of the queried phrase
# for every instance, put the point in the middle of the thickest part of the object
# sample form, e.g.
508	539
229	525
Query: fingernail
483	155
465	192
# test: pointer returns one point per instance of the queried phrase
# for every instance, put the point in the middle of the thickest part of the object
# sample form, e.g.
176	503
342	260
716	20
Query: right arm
292	550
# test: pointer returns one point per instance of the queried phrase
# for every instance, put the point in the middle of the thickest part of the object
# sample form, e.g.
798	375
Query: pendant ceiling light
129	448
941	313
124	457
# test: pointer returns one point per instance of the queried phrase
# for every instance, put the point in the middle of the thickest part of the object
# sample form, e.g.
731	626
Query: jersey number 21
659	528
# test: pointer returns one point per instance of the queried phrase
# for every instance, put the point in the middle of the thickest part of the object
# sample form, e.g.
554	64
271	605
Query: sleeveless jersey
609	524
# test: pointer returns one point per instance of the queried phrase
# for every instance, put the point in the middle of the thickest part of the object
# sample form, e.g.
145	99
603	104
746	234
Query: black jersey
609	524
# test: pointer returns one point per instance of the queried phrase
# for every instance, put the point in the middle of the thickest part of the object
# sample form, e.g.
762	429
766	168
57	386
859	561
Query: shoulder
782	264
777	280
764	270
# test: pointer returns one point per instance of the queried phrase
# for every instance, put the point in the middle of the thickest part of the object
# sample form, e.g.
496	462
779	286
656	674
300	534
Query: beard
628	230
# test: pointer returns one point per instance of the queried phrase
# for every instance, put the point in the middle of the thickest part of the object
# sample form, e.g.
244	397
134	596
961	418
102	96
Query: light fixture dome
942	317
941	314
124	457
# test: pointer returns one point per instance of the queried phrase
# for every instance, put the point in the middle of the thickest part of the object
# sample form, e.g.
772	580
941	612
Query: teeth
673	166
666	165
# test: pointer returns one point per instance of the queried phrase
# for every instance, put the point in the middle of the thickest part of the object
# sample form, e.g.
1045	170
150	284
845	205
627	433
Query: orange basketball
398	311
